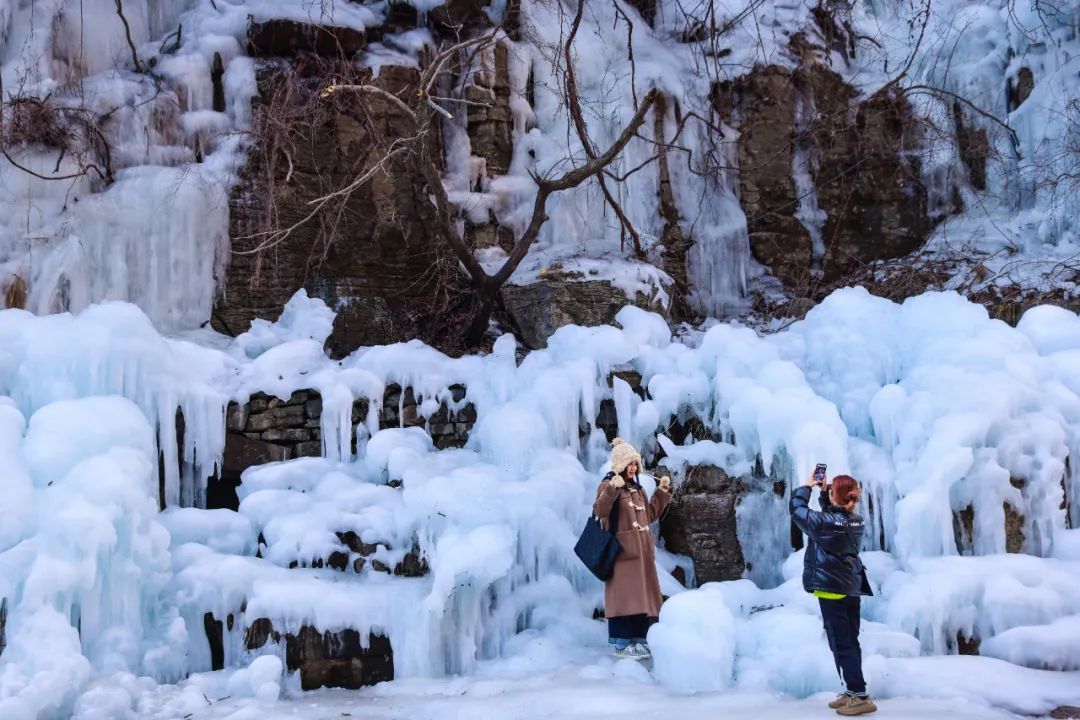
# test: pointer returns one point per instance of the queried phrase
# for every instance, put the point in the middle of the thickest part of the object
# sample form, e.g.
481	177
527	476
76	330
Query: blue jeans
625	630
841	619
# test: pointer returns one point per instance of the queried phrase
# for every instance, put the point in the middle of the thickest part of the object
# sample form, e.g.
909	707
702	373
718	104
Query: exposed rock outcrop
368	253
964	529
701	524
413	564
328	659
867	178
268	429
460	17
280	427
15	294
1020	87
490	124
542	307
965	645
974	146
760	105
858	153
286	38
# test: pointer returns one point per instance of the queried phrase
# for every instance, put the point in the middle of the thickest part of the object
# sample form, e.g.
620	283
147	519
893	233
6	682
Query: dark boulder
542	307
328	659
701	524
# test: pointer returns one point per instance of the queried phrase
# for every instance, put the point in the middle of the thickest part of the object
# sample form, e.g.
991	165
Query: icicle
336	423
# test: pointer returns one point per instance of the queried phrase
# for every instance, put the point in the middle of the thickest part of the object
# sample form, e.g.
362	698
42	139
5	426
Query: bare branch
375	91
967	103
580	174
574	105
462	101
914	51
629	48
127	34
625	176
82	172
276	237
569	180
432	72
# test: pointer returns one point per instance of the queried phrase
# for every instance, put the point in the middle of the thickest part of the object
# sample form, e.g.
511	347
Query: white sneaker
641	651
625	652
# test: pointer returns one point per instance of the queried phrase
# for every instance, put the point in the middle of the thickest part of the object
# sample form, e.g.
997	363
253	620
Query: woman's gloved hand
617	481
665	484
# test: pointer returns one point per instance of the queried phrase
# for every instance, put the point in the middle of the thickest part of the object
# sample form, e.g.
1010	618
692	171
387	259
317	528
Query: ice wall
152	228
895	393
84	564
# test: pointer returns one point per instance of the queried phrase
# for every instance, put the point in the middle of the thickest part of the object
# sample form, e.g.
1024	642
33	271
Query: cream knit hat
622	454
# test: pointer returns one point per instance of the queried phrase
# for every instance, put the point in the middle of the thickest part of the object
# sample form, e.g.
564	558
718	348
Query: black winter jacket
831	563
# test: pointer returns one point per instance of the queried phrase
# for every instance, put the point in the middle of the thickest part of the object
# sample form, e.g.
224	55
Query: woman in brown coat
632	594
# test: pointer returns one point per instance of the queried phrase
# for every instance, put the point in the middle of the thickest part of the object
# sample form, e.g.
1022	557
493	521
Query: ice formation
896	394
943	412
973	60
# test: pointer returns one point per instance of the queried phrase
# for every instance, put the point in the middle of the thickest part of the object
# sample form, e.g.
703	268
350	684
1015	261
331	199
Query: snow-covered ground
598	687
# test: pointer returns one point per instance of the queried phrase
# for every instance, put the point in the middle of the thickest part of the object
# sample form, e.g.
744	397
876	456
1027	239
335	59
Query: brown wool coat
634	588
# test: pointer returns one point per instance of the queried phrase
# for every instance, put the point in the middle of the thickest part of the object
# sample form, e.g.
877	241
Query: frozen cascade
809	212
93	555
582	232
980	51
96	241
145	220
170	269
906	411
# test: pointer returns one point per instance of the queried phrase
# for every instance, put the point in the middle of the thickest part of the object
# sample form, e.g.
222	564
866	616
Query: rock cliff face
828	180
368	252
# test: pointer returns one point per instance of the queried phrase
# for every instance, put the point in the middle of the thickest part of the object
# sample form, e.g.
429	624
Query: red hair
846	489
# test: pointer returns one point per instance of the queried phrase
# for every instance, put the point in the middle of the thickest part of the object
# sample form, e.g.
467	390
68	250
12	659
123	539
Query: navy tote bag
597	547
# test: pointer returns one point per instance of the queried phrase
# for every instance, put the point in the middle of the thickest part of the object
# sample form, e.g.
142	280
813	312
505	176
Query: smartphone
819	474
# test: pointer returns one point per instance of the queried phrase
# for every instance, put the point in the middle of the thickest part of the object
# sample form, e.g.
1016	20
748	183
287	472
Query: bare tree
425	110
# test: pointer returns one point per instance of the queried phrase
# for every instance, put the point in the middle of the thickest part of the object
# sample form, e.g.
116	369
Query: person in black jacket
833	572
